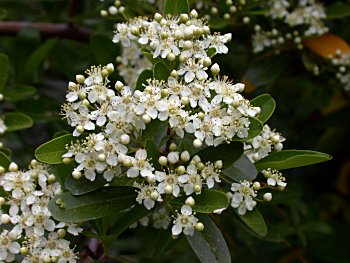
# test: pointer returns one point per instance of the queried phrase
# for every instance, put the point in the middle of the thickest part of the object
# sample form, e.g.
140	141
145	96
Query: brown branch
47	30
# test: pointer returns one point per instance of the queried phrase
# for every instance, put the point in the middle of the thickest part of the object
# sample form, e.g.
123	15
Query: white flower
242	198
146	195
161	218
140	165
211	175
191	179
184	222
168	179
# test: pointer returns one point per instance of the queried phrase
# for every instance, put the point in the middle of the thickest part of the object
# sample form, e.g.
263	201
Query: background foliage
308	222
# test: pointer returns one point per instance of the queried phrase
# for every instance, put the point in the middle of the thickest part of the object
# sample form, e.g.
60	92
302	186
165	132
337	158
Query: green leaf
51	152
17	121
3	14
240	170
155	131
176	7
255	221
103	49
161	71
209	245
211	52
267	105
4	70
97	204
286	159
207	202
37	57
156	243
19	92
150	57
228	153
4	161
6	151
83	186
268	69
153	153
128	218
338	10
62	171
142	79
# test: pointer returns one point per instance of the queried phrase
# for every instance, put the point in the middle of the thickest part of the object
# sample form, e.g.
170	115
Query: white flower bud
197	188
214	10
246	20
86	103
184	17
180	170
46	259
146	118
185	156
172	147
119	85
218	164
103	13
13	235
154	195
229	195
163	160
254	203
24	251
77	175
101	157
124	139
196	159
121	9
188	44
190	201
151	179
267	197
2	170
200	166
199	226
67	160
80	128
5	219
278	146
233	9
2	201
61	233
227	16
127	162
13	167
215	69
80	79
51	178
194	13
256	186
168	189
229	2
256	157
173	157
206	62
171	56
197	143
185	100
206	30
174	74
112	10
158	17
110	68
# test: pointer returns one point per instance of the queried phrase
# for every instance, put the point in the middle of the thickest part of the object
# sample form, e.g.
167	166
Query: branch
47	30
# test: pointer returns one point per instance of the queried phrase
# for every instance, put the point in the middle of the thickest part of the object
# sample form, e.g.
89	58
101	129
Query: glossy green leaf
4	161
255	221
150	57
37	57
153	153
267	105
338	10
17	121
142	79
161	71
83	186
4	70
6	151
228	153
207	202
268	69
62	171
209	245
97	204
240	170
103	49
51	152
286	159
155	131
19	92
3	14
176	7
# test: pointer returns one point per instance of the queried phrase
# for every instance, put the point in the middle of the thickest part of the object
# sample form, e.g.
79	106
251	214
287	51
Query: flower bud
2	201
171	56
267	197
199	226
215	69
154	195
101	157
207	62
112	10
2	170
163	160
218	164
278	146
13	235
190	201
168	189
119	85
146	118
80	79
174	74
110	68
77	175
180	170
185	156
124	139
256	186
5	219
51	178
200	166
194	13
197	188
185	100
172	147
13	167
158	17
173	157
246	20
61	233
103	13
80	128
24	251
197	143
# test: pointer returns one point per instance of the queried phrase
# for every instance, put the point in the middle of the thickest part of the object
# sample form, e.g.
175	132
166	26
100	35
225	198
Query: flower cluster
29	234
298	19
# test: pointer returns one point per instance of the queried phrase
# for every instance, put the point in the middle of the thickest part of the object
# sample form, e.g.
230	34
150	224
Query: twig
47	30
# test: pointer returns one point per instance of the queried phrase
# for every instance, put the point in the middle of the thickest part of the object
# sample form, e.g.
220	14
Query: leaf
255	221
97	204
240	170
286	159
3	14
211	52
4	161
227	153
142	79
4	70
156	244
267	105
268	69
155	131
128	218
153	153
150	57
6	151
83	186
161	71
62	171
338	10
176	7
209	245
17	121
19	92
51	152
326	45
37	57
103	49
207	202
